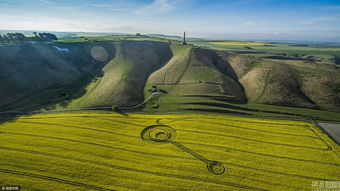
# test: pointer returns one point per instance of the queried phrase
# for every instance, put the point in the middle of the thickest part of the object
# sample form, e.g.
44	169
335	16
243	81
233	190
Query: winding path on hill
140	104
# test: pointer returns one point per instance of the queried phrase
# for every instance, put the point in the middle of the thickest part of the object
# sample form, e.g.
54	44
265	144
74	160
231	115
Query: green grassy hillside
120	71
318	52
293	83
124	76
199	79
36	74
219	120
196	72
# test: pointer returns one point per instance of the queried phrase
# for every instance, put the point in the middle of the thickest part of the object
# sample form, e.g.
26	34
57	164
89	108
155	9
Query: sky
315	20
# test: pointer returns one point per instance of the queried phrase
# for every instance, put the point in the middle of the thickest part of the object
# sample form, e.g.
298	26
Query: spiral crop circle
158	134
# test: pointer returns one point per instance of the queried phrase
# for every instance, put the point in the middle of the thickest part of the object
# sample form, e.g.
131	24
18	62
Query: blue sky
240	19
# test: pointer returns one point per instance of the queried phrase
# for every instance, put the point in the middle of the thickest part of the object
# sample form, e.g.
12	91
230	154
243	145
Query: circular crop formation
216	167
158	134
165	134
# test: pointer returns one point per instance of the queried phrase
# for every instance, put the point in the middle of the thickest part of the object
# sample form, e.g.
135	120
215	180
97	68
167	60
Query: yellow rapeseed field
109	151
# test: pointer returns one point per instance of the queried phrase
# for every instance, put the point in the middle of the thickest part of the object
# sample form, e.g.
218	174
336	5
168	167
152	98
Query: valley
127	112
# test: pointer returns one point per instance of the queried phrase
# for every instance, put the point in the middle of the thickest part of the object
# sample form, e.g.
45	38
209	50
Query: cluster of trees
19	37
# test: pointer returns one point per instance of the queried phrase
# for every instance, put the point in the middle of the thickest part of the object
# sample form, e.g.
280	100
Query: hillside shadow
219	63
92	68
7	117
337	61
150	56
45	56
123	113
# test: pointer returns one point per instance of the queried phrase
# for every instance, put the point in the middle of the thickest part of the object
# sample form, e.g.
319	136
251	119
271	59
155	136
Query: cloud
118	9
156	7
322	19
47	2
110	7
102	5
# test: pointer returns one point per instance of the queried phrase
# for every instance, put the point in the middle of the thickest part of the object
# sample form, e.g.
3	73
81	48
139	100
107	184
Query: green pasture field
320	51
112	38
105	151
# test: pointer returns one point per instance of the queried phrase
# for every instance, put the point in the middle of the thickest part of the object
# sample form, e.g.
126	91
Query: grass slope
196	72
199	79
193	77
36	74
259	48
293	83
104	151
113	38
124	76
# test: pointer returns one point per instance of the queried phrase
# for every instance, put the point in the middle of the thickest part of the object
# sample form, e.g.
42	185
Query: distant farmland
105	151
243	43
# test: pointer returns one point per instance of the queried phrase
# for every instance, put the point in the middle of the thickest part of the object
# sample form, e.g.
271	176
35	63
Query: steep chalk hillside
196	72
124	77
122	72
274	83
293	83
27	69
319	82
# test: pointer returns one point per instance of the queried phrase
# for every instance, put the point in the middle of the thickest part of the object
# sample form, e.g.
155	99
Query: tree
40	36
20	37
35	36
16	36
9	36
47	36
52	36
115	108
5	37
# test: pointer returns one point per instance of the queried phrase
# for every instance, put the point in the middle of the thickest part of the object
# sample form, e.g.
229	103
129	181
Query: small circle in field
158	133
162	136
99	53
216	167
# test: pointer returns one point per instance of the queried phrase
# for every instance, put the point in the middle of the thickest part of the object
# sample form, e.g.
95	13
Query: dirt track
332	129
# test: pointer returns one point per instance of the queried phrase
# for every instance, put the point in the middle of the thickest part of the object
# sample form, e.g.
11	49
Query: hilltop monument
184	42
